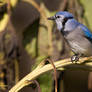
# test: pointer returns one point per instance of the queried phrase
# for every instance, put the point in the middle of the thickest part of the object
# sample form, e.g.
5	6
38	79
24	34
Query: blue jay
77	35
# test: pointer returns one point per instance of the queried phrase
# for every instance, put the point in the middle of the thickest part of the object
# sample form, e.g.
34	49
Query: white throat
59	26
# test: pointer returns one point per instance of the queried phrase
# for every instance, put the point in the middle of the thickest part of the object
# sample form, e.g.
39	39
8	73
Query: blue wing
86	31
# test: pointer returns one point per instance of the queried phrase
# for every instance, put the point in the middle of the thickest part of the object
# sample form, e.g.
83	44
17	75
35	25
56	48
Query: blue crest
65	13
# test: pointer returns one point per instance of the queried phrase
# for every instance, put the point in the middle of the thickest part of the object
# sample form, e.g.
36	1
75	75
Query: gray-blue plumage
76	34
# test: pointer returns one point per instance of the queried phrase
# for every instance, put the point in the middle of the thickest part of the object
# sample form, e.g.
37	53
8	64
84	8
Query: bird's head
61	18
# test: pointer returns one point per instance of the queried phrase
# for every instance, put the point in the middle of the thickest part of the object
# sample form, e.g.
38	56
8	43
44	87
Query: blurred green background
87	7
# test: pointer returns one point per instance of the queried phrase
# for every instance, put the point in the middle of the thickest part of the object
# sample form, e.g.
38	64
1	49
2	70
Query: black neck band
64	21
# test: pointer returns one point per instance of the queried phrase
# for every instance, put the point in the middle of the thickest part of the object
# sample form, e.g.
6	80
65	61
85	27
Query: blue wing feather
86	31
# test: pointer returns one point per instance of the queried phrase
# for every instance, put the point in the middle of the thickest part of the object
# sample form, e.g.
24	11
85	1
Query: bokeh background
28	37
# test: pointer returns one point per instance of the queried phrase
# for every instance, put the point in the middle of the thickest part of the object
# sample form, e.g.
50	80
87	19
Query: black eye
58	17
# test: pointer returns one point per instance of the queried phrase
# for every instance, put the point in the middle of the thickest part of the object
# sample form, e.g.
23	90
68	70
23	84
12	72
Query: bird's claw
74	58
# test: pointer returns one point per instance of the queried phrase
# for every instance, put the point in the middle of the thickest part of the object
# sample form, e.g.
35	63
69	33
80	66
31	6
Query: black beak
51	18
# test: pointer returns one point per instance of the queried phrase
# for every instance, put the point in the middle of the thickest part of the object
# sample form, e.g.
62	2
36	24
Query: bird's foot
75	58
